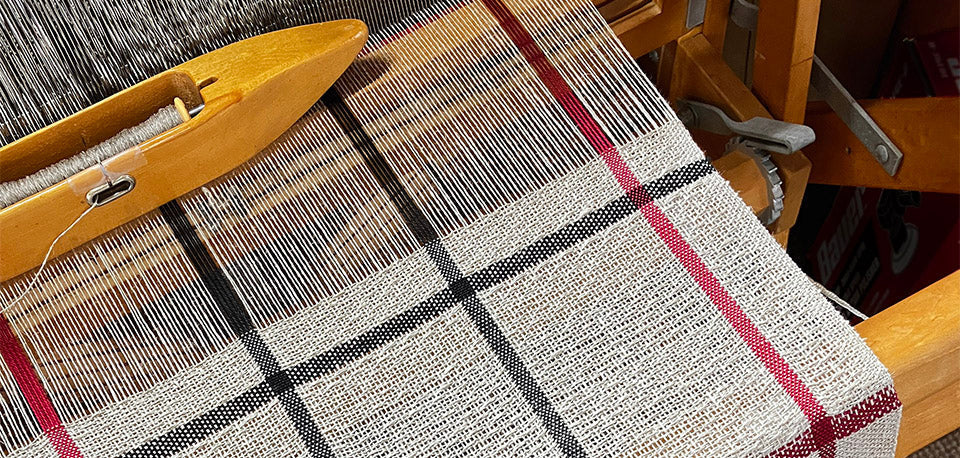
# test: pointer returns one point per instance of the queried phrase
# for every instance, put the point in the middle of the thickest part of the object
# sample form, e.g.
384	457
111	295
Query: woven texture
491	237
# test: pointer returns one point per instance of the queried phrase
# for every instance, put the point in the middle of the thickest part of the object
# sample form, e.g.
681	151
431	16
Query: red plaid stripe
836	427
17	361
823	433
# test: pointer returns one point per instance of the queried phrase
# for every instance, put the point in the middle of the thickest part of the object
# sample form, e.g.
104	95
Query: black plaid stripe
427	236
489	277
409	320
412	215
205	425
585	227
232	309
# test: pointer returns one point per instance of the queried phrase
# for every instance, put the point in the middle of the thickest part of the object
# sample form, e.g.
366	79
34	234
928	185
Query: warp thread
46	259
329	213
14	191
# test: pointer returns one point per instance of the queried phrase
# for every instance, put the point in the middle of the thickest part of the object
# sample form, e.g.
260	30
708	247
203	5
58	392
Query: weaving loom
492	236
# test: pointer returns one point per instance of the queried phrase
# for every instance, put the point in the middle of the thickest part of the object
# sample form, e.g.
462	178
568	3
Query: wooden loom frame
917	339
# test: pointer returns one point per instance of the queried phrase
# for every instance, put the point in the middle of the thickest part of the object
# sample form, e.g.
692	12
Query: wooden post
650	26
786	33
715	22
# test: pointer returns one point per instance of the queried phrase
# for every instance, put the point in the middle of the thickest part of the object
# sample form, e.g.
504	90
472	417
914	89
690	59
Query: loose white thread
837	300
46	259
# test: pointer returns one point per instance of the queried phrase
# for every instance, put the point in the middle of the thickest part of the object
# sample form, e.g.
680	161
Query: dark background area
875	247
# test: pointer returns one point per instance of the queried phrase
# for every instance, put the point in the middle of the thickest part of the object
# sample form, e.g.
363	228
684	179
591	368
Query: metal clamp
764	133
696	11
769	171
744	14
757	138
855	117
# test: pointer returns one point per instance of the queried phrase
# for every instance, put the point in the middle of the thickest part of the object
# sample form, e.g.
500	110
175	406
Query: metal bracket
696	11
769	171
744	14
763	133
855	117
757	138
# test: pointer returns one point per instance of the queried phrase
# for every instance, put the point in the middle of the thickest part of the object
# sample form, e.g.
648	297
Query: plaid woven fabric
491	237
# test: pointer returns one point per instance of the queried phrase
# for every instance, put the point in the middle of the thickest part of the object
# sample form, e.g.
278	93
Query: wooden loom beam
693	69
927	130
918	340
648	25
645	25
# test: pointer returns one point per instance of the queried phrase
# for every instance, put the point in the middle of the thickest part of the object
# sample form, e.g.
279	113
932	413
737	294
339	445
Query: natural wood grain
923	421
645	25
786	33
918	340
262	86
715	22
745	178
615	9
927	131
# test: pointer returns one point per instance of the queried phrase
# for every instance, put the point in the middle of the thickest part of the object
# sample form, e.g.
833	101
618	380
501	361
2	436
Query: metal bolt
882	153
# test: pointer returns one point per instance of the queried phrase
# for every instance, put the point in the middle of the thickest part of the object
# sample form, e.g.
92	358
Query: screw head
882	153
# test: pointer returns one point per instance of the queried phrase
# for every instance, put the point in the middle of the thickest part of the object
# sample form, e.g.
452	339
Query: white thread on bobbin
14	191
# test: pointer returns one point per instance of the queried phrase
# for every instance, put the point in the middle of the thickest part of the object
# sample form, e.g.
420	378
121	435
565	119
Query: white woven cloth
492	238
